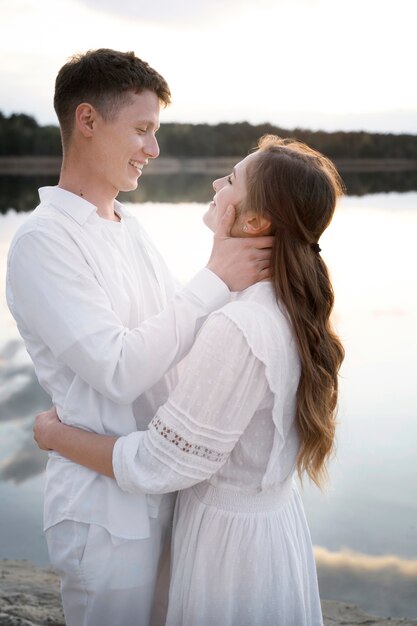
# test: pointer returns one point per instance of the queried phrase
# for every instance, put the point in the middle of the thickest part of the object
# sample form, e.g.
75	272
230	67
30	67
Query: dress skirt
242	560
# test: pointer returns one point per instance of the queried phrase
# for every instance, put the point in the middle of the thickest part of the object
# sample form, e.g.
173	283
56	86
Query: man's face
122	146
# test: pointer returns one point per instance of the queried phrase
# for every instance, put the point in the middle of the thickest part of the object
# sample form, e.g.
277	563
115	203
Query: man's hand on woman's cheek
239	262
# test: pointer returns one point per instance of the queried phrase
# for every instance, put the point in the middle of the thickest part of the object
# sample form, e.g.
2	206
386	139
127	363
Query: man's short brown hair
105	79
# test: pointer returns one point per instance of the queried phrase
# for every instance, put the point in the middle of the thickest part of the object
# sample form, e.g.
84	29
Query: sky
319	64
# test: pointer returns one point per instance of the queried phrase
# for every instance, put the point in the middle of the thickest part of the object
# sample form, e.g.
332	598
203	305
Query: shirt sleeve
193	433
53	292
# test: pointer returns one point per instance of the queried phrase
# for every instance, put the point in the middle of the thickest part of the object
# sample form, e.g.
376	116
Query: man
98	311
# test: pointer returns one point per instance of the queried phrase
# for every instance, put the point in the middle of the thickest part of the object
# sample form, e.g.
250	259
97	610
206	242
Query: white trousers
108	581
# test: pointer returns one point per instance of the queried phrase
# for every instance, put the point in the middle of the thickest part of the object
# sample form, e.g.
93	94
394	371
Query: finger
258	257
263	265
224	227
265	273
262	242
264	254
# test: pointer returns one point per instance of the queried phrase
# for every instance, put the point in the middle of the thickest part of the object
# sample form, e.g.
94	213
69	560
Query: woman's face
230	189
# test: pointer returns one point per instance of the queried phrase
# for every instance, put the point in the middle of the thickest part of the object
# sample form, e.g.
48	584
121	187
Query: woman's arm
88	449
192	435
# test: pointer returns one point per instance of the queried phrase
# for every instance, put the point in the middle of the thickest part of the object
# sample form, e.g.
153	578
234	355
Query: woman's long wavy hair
297	189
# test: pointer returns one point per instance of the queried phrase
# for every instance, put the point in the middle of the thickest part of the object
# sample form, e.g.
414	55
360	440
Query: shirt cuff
212	292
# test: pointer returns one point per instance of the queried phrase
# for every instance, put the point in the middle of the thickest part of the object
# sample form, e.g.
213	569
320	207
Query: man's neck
79	181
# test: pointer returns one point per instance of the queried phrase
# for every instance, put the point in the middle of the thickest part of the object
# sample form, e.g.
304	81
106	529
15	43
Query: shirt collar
75	207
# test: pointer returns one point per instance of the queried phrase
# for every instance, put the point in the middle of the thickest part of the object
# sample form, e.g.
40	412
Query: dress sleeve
194	432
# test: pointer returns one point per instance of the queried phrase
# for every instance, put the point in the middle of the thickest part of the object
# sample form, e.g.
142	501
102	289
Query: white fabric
192	435
95	305
242	552
105	580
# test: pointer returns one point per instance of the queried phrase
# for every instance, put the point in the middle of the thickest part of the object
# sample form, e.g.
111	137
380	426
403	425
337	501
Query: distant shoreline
30	595
43	165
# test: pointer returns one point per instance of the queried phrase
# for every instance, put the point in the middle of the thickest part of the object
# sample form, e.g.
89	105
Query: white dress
241	549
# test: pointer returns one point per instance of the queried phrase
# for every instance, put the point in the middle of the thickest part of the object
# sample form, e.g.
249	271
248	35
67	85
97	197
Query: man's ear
85	119
256	225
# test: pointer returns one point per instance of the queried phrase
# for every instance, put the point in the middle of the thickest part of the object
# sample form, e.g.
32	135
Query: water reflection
370	506
385	584
27	462
21	397
179	187
20	192
363	183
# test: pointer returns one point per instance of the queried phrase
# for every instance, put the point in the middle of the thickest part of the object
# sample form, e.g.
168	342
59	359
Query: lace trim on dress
182	444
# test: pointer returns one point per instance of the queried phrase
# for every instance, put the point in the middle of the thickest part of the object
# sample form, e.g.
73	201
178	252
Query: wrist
213	267
54	436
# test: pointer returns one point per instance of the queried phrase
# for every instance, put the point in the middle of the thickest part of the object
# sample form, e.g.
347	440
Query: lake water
364	527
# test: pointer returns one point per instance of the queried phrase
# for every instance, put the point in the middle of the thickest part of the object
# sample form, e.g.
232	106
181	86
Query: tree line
21	135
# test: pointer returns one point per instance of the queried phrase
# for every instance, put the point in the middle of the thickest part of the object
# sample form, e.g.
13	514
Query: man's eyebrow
147	123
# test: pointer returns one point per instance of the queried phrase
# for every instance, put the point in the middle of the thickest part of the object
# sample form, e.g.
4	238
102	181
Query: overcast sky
330	64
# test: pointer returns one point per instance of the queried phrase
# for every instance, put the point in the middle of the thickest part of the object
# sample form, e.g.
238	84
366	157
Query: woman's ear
254	225
85	119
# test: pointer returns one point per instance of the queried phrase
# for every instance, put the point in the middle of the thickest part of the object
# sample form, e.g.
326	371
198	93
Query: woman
255	404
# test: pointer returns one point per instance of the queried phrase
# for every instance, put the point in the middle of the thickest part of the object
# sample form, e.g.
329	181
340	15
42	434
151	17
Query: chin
208	221
130	186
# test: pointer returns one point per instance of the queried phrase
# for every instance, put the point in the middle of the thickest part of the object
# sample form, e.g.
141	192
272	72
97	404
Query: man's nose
152	148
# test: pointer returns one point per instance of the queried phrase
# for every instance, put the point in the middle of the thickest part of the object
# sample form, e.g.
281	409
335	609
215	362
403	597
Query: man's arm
189	439
54	292
89	449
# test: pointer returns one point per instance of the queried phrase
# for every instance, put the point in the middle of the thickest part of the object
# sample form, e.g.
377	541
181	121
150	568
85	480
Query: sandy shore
29	596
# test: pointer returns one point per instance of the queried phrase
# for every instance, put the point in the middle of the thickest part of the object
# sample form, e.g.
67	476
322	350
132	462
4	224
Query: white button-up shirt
97	309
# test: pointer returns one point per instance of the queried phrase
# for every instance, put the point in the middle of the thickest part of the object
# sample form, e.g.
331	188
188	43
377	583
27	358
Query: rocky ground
29	596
